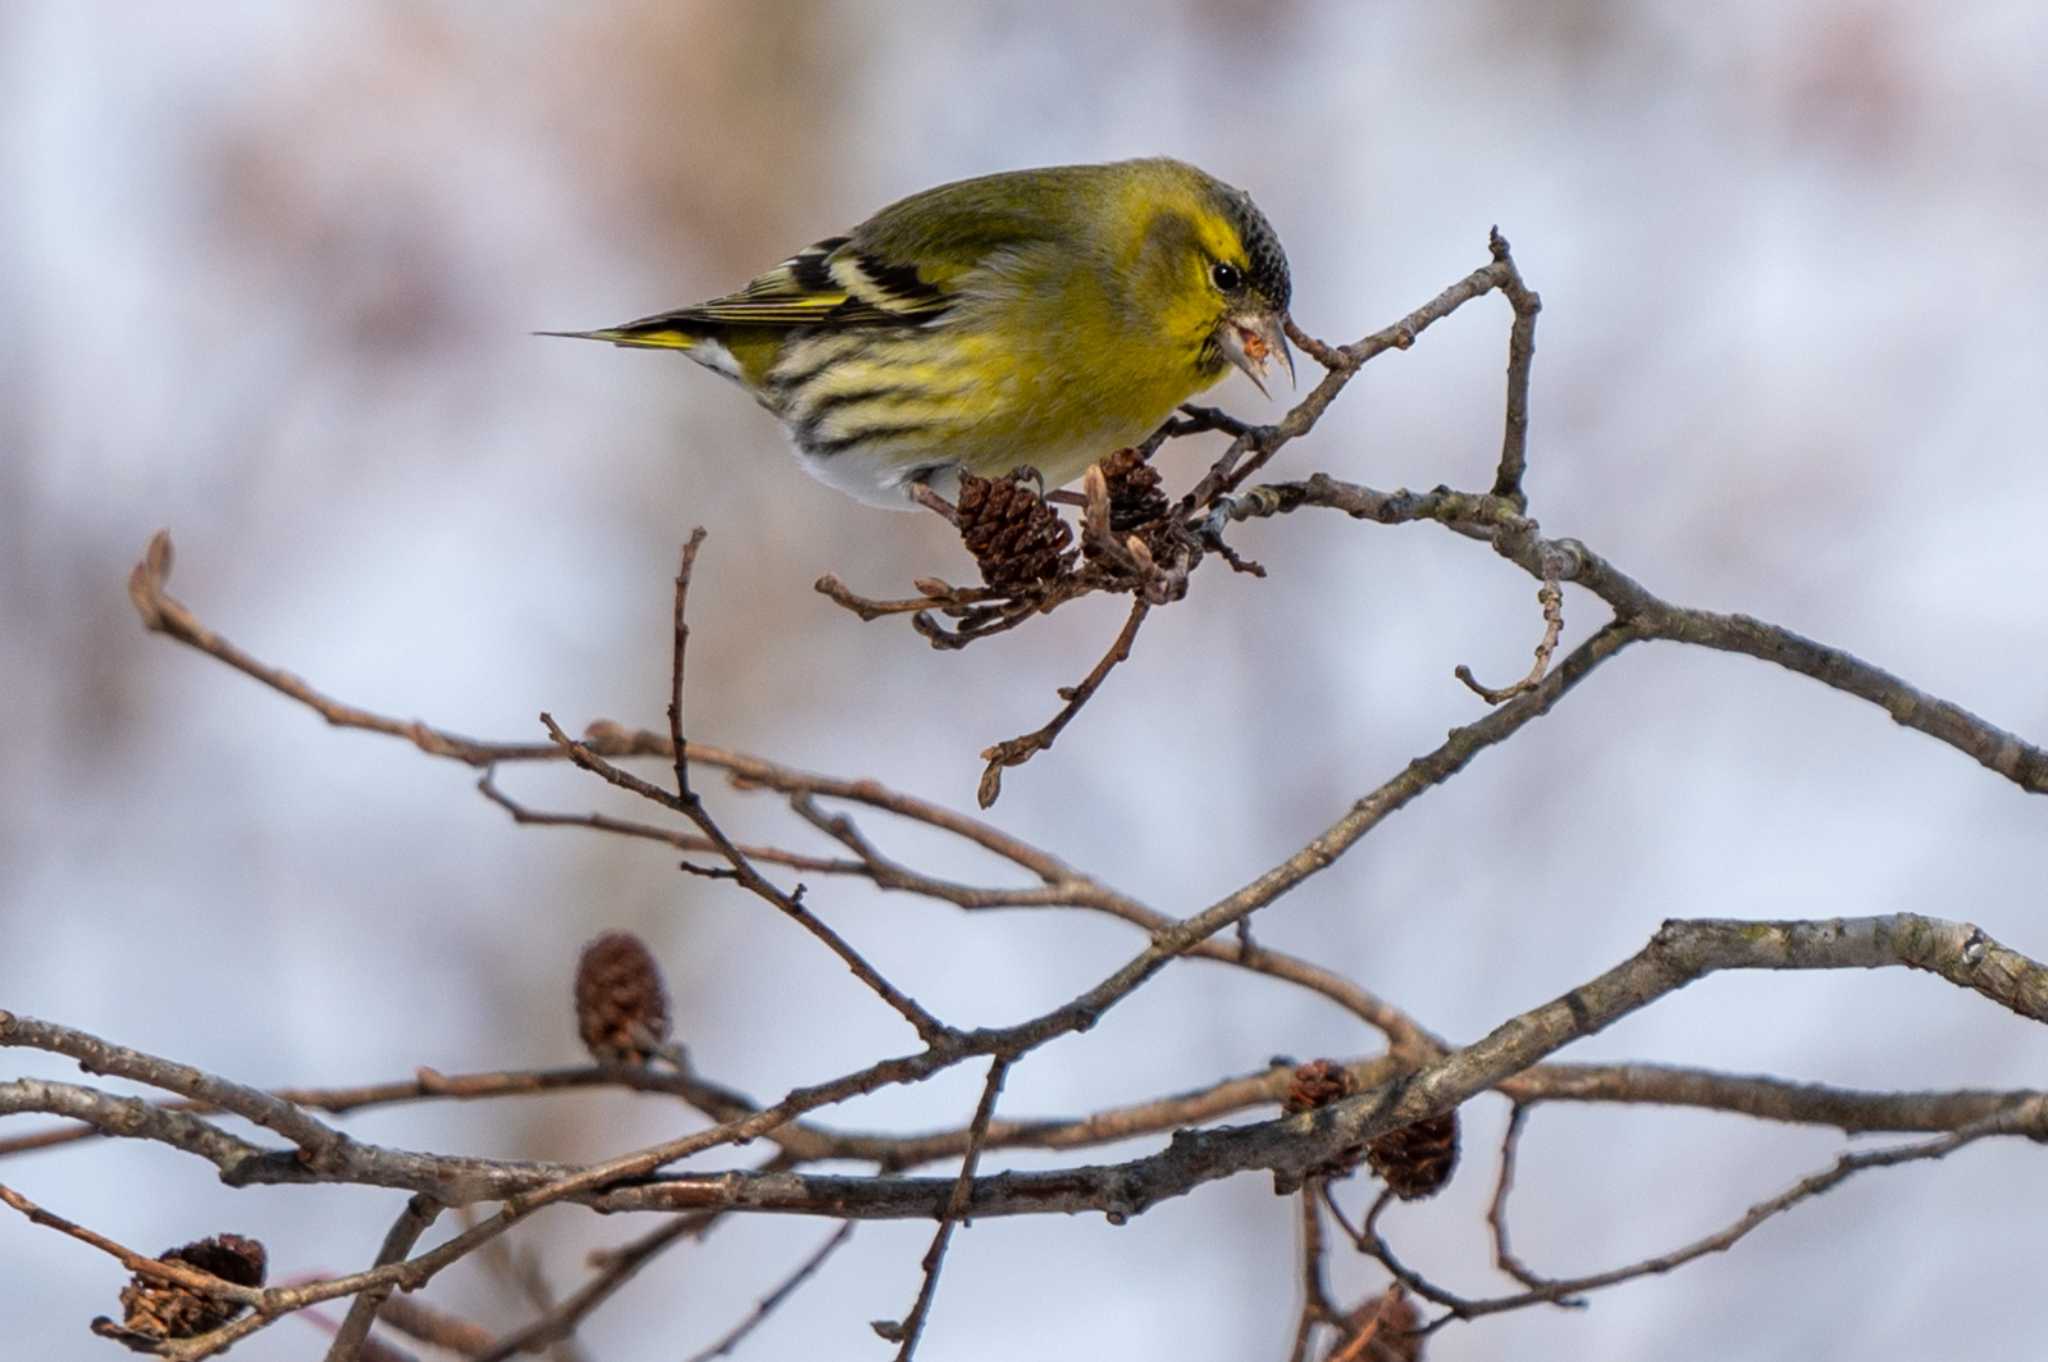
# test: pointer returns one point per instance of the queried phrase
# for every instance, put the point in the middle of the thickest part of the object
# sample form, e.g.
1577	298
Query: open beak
1251	340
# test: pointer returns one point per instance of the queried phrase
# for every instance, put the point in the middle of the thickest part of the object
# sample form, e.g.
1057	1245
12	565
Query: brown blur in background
267	274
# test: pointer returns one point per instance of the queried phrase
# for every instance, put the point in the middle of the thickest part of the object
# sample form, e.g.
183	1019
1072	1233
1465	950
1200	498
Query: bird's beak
1251	339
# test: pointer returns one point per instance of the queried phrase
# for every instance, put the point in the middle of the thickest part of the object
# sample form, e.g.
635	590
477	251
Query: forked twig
1016	751
1456	1307
927	1026
1497	1210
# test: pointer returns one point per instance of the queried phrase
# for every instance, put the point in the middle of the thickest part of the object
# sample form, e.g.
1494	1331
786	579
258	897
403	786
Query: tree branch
419	1214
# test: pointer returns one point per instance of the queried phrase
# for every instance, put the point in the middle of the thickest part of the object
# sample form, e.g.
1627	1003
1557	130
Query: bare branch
420	1213
1515	537
131	1117
321	1147
156	1269
1497	1210
682	841
1514	445
414	1318
1295	1147
1316	1307
1343	364
2028	1123
1017	751
675	685
560	1321
912	1327
1552	601
163	614
583	755
769	1303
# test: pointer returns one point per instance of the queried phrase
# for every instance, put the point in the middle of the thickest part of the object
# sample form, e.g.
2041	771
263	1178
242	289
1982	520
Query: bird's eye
1226	276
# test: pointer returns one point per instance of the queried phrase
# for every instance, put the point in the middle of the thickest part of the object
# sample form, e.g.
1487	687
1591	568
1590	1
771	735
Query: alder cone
621	1006
1397	1315
1016	538
154	1311
1135	498
1317	1084
1417	1159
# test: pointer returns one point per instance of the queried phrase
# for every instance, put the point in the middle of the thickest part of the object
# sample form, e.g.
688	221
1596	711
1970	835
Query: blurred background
267	275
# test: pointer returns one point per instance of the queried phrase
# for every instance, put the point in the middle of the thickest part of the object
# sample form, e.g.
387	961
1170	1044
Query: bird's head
1246	275
1209	274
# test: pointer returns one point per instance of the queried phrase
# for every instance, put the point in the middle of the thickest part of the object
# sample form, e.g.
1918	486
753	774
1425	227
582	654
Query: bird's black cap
1269	276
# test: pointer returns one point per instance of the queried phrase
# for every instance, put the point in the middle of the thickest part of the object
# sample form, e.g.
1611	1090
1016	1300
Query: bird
1032	320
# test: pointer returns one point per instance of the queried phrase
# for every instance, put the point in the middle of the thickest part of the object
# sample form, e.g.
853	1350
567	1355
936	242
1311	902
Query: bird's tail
641	335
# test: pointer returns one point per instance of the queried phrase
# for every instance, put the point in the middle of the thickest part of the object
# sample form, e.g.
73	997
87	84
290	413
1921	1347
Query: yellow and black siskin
1038	318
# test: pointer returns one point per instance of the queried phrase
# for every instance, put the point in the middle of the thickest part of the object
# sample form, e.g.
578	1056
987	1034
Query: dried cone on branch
621	1007
1392	1341
1135	497
1138	507
1417	1159
1317	1084
154	1311
1013	534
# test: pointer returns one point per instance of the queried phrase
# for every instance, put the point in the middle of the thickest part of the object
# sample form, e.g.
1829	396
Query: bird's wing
907	264
831	283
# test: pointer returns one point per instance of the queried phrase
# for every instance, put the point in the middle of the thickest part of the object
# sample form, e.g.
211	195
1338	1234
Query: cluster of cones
1414	1160
1020	541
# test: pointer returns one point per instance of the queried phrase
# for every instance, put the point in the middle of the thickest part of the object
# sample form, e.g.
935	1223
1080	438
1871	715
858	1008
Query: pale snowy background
266	278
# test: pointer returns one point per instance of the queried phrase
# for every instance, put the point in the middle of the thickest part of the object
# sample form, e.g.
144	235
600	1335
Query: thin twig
908	1332
870	610
1316	1306
923	495
528	816
432	1325
1514	445
679	653
1017	751
522	1272
1497	1209
1354	1347
1552	600
418	1215
1815	1184
768	1304
557	1324
582	754
156	1269
1515	537
611	1269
